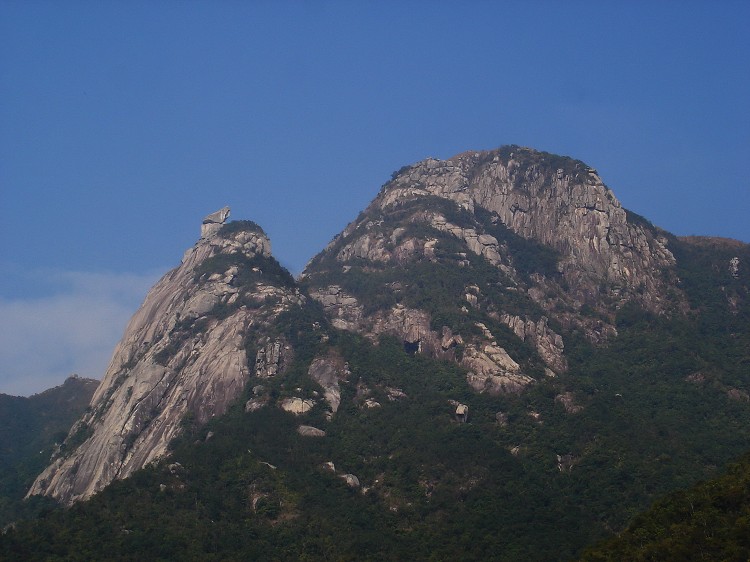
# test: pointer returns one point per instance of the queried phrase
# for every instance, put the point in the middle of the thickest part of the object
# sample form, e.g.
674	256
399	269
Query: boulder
351	480
310	431
212	223
296	405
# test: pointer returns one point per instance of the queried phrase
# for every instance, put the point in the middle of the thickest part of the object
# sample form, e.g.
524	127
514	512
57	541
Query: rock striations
551	244
556	201
183	353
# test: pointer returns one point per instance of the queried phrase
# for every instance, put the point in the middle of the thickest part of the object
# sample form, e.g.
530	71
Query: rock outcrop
734	267
212	223
344	310
184	353
328	372
271	358
568	401
490	367
351	480
549	345
310	431
296	405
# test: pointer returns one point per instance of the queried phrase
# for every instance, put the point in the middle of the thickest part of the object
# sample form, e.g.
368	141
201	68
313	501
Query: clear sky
122	124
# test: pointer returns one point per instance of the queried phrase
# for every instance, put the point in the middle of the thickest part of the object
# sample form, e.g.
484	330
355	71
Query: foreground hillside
494	361
710	521
30	431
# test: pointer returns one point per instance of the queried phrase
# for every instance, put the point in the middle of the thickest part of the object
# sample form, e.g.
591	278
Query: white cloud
72	328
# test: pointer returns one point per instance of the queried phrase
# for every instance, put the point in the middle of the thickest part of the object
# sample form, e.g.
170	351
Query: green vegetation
437	286
436	488
531	165
232	227
250	270
710	521
400	171
635	218
30	430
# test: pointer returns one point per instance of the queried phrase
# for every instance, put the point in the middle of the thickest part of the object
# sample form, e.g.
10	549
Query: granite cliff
551	244
184	353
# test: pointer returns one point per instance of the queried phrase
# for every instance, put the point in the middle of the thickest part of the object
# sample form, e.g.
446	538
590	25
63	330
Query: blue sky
123	123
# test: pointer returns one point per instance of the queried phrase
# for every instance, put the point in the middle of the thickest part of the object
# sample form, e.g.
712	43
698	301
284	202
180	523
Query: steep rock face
328	372
564	253
183	352
549	345
491	368
567	208
343	309
556	201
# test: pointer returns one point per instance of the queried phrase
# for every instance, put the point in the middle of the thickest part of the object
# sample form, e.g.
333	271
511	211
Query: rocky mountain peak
184	352
557	201
553	248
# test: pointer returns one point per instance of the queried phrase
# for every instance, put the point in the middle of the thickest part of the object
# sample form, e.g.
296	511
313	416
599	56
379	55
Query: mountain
513	241
183	354
30	430
495	360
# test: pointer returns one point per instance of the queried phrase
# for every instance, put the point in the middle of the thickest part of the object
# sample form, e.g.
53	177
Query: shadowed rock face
183	352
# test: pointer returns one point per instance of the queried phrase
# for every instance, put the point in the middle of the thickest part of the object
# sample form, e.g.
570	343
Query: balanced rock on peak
213	222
